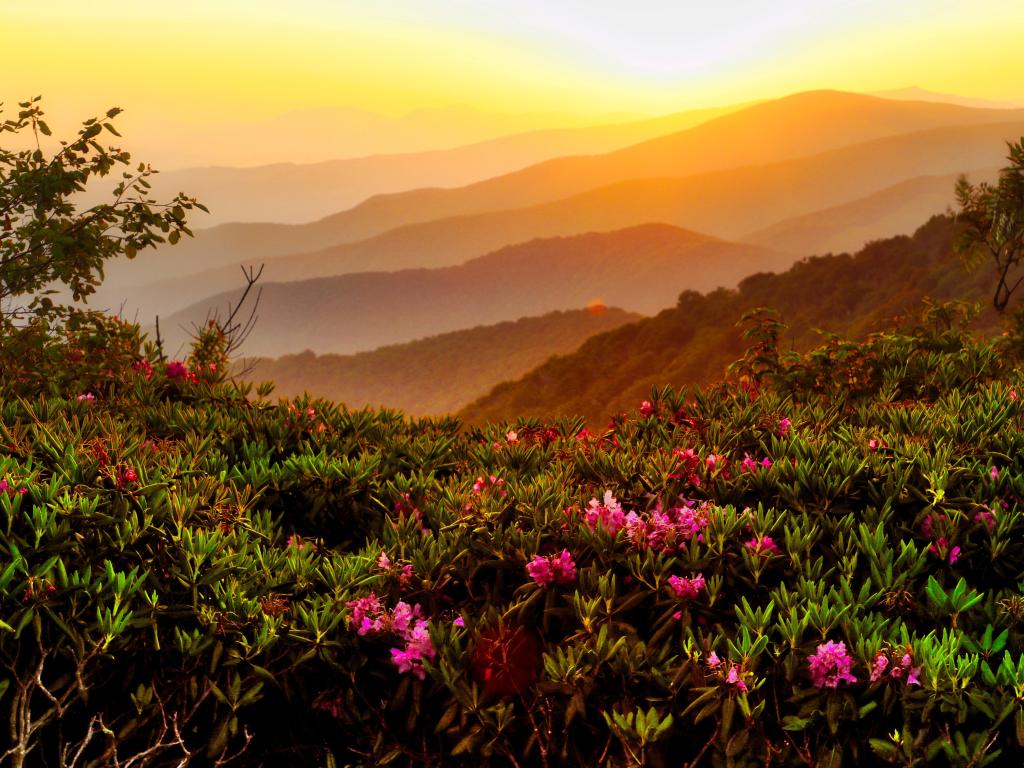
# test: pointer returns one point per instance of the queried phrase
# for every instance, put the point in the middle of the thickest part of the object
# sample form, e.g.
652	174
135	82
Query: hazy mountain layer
787	128
725	204
293	193
439	374
895	210
644	268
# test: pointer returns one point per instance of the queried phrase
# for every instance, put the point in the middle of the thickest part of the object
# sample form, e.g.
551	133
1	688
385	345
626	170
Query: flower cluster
402	572
899	663
749	464
553	569
764	546
935	526
686	588
10	490
688	462
668	531
830	665
144	367
607	514
731	674
492	483
177	371
371	618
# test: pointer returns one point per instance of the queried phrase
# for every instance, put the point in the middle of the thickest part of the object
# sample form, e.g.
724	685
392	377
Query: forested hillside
439	374
693	342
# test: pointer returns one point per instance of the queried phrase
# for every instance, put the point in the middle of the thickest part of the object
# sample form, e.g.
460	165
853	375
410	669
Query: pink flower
879	667
143	366
733	678
750	465
459	622
366	614
762	545
87	397
830	665
898	666
1013	394
784	424
607	514
713	660
994	473
405	577
986	516
874	444
667	531
177	370
511	437
646	408
417	648
954	555
686	588
384	562
553	569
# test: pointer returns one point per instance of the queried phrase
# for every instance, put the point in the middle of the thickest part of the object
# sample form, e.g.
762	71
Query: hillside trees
992	223
45	240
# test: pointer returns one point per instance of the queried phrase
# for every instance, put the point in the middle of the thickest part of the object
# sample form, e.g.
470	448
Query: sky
539	62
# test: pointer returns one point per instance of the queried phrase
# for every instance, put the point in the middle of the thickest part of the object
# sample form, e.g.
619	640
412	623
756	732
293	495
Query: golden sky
229	61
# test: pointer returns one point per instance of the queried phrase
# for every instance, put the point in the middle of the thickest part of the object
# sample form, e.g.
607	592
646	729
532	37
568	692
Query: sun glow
568	63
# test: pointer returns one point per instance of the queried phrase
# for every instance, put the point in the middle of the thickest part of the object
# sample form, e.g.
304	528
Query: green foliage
45	240
192	574
991	219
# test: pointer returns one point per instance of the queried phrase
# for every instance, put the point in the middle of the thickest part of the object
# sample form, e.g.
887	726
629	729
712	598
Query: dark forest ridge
692	343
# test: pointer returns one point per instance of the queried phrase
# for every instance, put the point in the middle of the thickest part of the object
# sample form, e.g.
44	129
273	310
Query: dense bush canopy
819	564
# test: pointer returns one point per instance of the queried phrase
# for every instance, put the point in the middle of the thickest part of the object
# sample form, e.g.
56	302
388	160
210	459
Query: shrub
796	573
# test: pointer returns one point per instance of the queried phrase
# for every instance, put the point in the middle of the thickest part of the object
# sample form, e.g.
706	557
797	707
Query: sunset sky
231	61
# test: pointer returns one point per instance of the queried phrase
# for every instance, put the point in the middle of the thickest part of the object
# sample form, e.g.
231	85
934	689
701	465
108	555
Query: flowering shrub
194	574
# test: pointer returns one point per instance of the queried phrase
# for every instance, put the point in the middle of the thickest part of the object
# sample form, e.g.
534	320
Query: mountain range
438	374
775	132
296	192
694	341
643	267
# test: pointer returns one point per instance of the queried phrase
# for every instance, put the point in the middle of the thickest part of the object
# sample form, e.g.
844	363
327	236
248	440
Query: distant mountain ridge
793	127
726	204
895	210
297	193
643	267
439	374
914	93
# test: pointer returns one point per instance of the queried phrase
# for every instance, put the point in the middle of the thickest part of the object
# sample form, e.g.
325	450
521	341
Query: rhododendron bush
779	570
